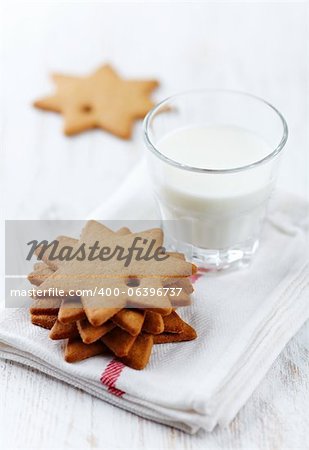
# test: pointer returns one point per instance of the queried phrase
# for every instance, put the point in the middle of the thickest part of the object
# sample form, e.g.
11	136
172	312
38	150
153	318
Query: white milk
224	210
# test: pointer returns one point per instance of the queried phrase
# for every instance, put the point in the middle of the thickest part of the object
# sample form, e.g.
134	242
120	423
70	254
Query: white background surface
261	48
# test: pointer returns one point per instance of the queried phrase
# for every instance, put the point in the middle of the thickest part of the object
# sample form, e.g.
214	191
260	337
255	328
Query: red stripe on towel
110	376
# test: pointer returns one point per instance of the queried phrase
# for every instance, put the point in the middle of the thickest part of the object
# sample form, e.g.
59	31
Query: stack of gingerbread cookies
125	325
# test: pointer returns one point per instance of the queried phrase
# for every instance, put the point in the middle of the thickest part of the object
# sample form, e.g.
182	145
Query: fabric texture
243	320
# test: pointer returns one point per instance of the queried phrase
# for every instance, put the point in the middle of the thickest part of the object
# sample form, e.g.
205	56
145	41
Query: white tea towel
243	320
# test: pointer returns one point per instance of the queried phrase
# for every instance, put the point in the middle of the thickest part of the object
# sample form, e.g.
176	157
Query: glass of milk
213	157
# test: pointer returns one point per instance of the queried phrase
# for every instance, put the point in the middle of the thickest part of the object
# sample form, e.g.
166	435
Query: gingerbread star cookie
127	333
88	274
101	100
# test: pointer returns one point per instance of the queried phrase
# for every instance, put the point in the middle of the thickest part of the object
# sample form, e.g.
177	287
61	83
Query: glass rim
154	149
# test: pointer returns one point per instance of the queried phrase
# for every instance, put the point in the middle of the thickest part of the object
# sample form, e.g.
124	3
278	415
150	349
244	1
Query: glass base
214	260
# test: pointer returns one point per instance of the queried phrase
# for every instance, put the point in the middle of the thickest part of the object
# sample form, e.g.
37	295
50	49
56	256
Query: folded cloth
243	319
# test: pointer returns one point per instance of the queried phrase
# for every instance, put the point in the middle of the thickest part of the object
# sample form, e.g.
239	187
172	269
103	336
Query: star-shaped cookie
101	100
95	275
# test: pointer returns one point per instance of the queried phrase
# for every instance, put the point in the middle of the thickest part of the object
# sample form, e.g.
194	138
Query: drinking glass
214	214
